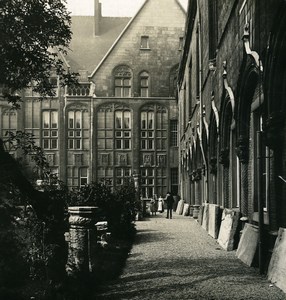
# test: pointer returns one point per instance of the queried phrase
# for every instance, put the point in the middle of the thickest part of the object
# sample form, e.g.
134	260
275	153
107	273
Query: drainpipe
201	105
260	203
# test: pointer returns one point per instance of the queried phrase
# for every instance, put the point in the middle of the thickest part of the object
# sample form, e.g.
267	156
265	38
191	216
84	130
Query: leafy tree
34	36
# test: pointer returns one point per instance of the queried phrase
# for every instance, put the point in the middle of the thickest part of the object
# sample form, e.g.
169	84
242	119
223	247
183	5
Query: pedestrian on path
160	204
170	203
153	206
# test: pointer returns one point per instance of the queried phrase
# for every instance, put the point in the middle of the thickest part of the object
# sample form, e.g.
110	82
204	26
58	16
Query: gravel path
176	259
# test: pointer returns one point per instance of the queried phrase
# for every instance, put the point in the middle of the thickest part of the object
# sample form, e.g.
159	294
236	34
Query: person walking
161	204
153	206
170	202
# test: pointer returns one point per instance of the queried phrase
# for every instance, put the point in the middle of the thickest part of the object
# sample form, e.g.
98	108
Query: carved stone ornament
105	159
213	165
79	221
147	159
273	130
122	159
242	149
196	175
161	160
224	157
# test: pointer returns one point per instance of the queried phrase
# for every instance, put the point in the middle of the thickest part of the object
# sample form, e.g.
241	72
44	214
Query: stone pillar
82	240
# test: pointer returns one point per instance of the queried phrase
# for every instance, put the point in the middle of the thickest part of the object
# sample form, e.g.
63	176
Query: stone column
82	240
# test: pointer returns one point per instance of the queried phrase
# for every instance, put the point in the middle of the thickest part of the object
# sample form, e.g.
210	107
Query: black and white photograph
142	149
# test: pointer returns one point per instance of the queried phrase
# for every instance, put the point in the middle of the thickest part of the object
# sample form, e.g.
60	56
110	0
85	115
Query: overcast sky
109	7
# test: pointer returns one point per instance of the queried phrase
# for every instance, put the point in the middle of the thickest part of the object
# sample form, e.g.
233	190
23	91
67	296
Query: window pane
118	82
100	143
126	92
46	133
109	144
126	82
144	82
83	172
54	144
118	119
78	119
100	119
126	119
118	144
126	144
150	120
54	133
109	119
144	92
54	119
46	144
13	121
78	144
71	119
46	119
117	92
144	42
70	144
143	120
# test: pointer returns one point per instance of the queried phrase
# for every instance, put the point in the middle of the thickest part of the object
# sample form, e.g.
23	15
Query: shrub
118	207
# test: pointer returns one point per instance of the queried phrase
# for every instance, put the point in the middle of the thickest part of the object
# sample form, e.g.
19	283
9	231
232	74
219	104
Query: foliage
35	232
118	207
34	36
13	267
25	142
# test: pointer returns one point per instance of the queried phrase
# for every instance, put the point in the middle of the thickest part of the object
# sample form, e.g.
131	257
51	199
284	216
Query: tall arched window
144	84
114	143
50	129
78	126
122	81
154	125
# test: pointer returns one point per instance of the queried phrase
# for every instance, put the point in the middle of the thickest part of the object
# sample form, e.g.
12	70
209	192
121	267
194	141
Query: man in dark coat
170	203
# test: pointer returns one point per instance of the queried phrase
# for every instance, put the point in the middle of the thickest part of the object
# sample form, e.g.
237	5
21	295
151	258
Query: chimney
97	17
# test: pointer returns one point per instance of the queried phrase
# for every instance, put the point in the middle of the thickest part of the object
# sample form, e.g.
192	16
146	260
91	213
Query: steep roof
125	29
87	50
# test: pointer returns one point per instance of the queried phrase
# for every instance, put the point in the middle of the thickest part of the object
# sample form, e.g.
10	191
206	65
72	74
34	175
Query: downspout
201	105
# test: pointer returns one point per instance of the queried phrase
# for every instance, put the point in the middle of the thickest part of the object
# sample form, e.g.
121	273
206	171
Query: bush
118	207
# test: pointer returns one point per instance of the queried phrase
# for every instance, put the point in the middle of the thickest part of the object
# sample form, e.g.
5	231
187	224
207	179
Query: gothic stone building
122	119
232	112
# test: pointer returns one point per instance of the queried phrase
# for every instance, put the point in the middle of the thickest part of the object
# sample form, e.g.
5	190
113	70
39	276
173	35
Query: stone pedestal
196	211
82	240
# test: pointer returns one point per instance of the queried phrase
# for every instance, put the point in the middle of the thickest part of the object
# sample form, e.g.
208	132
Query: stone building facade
121	121
232	113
